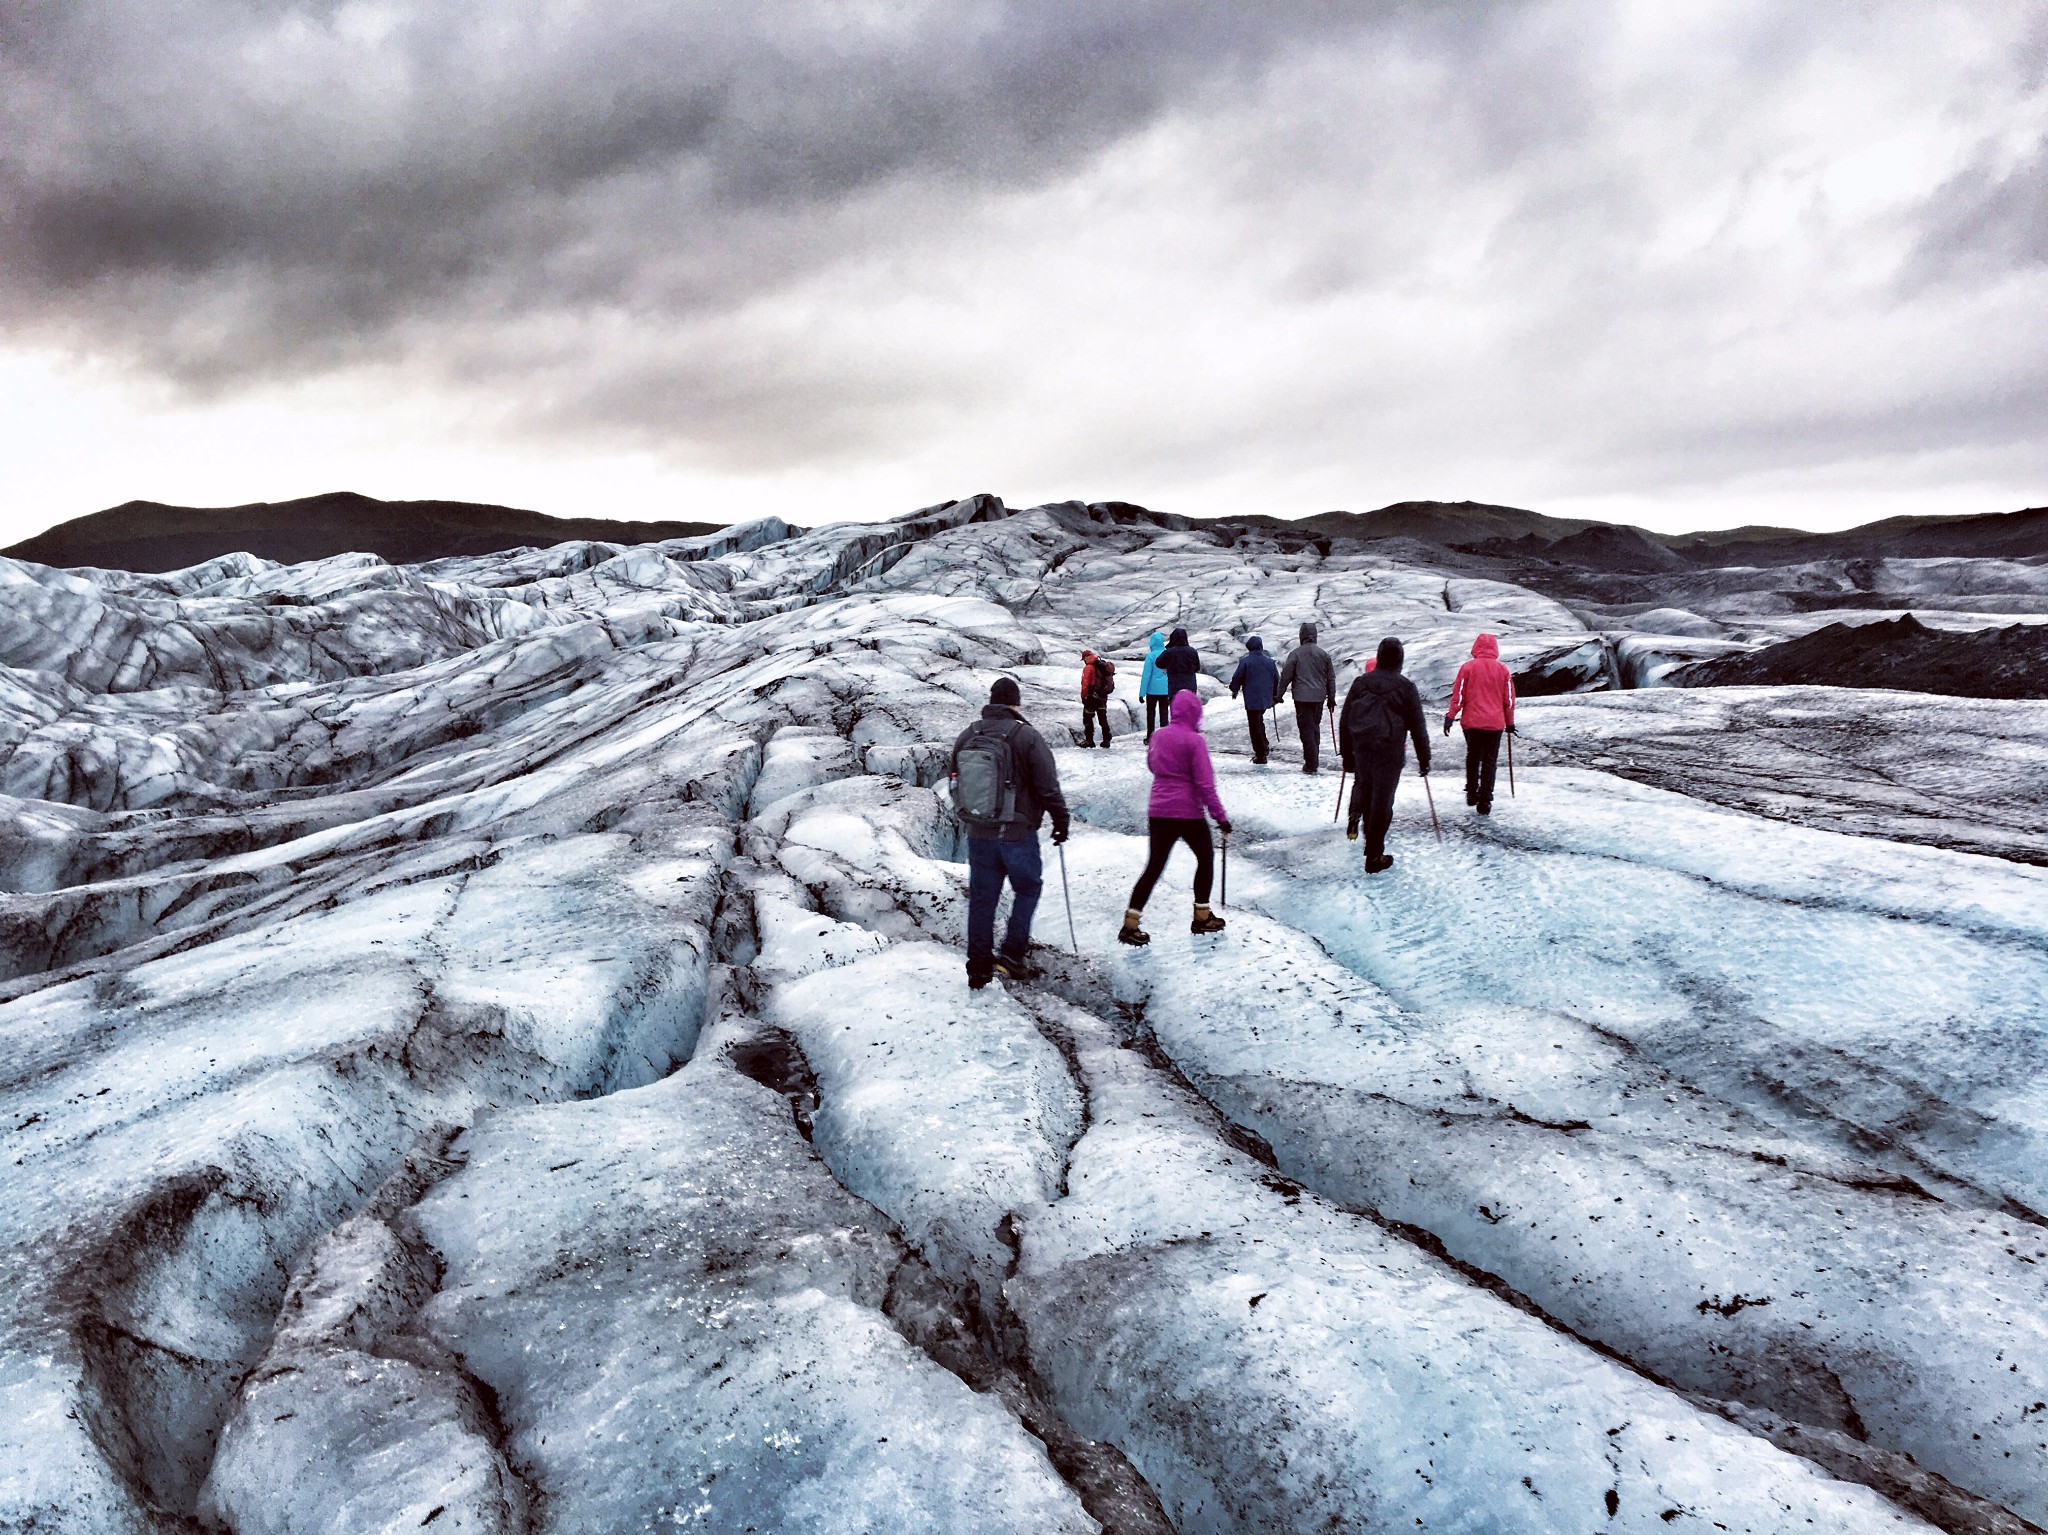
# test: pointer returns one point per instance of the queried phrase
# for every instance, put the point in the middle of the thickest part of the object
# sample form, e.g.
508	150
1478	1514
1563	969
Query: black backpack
1376	726
1103	681
985	778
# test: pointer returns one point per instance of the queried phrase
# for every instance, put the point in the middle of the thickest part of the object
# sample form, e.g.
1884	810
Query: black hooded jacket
1180	663
1375	694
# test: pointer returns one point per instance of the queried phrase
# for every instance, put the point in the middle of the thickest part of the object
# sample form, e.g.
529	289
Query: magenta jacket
1484	691
1183	782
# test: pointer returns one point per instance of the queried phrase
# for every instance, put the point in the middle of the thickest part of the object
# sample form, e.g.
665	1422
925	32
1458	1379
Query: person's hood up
1158	643
1255	643
1308	634
1179	637
1486	648
1187	709
1087	655
1391	655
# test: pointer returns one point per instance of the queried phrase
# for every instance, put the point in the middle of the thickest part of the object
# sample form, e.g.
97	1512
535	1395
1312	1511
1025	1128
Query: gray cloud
1558	247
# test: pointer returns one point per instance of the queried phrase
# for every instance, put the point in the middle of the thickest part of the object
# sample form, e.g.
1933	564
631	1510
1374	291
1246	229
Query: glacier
485	1046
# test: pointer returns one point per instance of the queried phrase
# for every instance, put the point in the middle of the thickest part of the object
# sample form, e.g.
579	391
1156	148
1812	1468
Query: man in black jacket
1009	849
1382	714
1180	662
1310	672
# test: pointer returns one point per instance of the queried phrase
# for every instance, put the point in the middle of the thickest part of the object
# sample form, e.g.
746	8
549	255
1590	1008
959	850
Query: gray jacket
1309	671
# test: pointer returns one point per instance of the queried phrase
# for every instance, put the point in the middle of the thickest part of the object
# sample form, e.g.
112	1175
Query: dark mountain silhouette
1900	653
149	536
1991	535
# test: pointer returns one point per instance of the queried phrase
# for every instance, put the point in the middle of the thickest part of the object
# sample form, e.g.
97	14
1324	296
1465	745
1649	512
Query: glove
1422	768
1513	731
1447	727
1059	835
1224	827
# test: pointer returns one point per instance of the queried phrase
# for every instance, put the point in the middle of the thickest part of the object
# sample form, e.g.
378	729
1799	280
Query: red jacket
1095	688
1484	690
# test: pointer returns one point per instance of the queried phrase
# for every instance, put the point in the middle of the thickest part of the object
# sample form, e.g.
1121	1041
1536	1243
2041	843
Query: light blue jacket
1152	681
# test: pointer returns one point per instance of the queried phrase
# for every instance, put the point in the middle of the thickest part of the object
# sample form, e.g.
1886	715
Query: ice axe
1432	806
1068	896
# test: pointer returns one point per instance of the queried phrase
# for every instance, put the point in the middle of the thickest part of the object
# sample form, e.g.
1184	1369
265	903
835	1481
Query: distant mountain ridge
148	536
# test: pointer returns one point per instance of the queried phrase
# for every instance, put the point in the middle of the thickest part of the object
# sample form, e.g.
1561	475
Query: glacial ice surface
485	1046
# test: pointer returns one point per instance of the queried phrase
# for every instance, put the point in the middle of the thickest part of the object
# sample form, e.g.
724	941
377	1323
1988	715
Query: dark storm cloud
260	184
1567	246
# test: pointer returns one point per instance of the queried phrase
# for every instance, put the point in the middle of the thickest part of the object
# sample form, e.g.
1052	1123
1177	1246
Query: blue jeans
989	863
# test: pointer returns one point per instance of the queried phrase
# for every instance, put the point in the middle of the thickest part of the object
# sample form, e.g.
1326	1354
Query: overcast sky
1683	262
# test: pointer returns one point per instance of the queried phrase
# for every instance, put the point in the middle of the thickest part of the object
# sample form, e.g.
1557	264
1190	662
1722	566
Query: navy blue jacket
1258	674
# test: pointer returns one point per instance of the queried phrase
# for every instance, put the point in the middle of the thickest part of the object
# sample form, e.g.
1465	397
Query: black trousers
1256	719
1155	713
1372	797
1167	830
1482	757
1308	718
1090	713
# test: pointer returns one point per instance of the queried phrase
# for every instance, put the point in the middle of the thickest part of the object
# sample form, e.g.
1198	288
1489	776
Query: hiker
1259	677
1313	676
1152	687
1484	692
1180	663
1098	681
1183	786
1382	713
1004	784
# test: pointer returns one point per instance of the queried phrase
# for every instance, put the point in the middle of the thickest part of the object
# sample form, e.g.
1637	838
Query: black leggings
1155	712
1482	761
1167	830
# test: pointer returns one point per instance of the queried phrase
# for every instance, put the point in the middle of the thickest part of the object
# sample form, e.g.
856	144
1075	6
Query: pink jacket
1183	782
1484	690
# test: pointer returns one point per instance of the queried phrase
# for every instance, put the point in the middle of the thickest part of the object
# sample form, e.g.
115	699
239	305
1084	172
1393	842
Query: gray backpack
985	779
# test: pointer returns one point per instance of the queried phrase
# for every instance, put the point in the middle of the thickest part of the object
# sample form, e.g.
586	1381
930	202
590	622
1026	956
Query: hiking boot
1380	864
1131	933
1471	796
1016	969
976	979
1206	921
1486	807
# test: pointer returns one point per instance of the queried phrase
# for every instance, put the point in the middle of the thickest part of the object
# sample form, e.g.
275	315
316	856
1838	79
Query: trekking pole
1511	764
1339	810
1223	898
1068	895
1432	806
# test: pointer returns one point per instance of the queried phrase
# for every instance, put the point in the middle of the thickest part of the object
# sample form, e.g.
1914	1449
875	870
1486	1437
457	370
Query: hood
1255	643
1179	637
1308	634
1391	655
1486	648
1087	655
1158	644
1187	709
